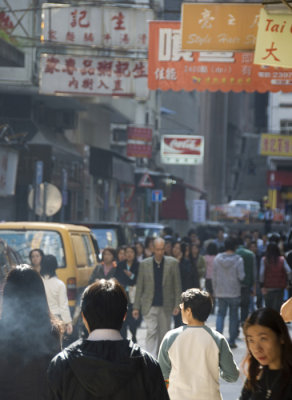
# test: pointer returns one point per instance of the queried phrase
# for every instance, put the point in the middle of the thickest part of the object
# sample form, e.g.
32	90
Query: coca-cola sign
182	149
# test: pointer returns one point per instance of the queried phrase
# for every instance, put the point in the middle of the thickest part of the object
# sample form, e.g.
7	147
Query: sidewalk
230	391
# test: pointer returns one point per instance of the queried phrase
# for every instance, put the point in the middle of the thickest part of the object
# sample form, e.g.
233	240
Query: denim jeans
233	303
274	299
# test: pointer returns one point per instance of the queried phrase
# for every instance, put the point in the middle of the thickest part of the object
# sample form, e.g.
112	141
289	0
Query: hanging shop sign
138	150
105	27
170	68
218	27
143	134
273	45
276	145
139	143
17	25
182	149
92	76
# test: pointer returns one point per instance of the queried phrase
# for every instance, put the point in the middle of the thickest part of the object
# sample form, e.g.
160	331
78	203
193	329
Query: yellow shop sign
273	44
218	27
276	145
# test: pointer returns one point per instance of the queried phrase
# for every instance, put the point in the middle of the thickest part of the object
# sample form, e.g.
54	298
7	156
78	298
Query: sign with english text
273	45
182	149
219	27
170	68
92	76
100	26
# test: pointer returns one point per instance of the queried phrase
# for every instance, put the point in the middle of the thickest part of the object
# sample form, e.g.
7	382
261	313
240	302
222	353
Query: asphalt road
230	391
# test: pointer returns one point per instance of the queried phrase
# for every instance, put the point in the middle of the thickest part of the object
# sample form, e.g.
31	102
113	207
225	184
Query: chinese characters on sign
219	27
171	68
182	149
139	142
276	145
109	27
92	76
273	46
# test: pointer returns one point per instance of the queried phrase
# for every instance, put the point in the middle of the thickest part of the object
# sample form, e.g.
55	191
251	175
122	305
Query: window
286	127
26	240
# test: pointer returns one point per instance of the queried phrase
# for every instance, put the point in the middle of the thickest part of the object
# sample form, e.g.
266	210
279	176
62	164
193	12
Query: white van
243	208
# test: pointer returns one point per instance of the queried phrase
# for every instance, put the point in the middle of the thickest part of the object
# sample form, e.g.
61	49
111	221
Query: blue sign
39	172
157	196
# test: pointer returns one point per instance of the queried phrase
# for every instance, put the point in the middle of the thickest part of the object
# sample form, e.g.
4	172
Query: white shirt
57	298
104	334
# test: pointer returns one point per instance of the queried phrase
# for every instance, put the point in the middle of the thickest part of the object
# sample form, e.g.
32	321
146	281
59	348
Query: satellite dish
53	200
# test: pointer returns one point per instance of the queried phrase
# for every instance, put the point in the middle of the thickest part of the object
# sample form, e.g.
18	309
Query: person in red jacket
274	275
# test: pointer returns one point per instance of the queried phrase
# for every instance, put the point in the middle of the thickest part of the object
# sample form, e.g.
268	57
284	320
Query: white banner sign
107	27
182	149
199	211
8	170
93	76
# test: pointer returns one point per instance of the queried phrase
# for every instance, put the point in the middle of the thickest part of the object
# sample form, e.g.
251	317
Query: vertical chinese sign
139	143
273	46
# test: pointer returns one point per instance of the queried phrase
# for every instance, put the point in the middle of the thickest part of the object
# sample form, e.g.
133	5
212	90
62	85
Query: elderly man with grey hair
157	294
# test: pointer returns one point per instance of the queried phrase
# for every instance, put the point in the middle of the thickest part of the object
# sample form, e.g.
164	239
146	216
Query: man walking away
228	272
157	294
105	366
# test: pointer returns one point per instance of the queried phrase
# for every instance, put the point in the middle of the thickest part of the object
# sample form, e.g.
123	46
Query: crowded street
145	200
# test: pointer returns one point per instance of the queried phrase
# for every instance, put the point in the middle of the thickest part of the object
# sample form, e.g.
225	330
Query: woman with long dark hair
274	273
107	268
29	338
36	256
56	293
268	363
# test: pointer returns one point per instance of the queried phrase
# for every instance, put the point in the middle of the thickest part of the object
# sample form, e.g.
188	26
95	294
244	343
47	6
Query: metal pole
44	217
156	211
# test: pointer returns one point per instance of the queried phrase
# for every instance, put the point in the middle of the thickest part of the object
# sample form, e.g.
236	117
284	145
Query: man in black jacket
105	366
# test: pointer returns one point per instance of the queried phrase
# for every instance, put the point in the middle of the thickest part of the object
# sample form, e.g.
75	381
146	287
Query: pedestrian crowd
168	281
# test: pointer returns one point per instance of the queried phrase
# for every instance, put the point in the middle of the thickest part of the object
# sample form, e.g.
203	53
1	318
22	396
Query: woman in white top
56	292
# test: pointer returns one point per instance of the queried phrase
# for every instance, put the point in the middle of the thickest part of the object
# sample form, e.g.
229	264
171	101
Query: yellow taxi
72	245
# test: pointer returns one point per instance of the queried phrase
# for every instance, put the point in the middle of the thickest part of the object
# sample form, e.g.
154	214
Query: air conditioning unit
119	136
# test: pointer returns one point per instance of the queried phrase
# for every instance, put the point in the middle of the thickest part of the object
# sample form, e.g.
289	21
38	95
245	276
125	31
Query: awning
108	164
174	206
59	102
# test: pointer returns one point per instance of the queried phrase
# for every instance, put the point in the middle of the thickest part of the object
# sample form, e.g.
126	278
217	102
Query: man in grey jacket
157	294
228	272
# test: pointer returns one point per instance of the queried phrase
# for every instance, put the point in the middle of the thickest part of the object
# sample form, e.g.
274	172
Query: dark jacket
249	263
23	365
113	370
270	379
98	273
122	277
